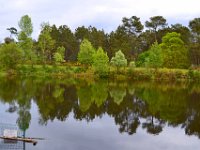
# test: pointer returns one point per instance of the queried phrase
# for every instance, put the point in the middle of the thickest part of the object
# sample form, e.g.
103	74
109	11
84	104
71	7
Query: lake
101	115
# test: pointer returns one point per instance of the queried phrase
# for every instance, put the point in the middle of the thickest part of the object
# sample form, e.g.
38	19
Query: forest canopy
152	44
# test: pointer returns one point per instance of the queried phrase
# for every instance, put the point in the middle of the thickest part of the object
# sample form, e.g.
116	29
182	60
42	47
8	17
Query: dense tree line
154	44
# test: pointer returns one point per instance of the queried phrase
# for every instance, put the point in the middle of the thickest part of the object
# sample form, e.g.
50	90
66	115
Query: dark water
102	115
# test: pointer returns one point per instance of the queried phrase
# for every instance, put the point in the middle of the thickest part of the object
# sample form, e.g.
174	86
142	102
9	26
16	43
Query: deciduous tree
46	43
24	37
100	62
175	53
119	60
85	55
10	56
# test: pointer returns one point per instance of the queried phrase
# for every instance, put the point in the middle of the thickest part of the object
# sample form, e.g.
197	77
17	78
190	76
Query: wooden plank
29	140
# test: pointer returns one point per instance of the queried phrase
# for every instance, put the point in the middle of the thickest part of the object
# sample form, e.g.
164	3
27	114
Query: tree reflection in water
150	106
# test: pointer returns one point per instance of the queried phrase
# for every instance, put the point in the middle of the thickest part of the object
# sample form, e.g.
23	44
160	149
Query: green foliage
175	53
85	98
132	25
195	41
58	44
194	75
119	60
141	60
171	53
45	42
64	37
26	25
99	92
118	93
141	74
184	31
132	64
59	55
58	58
195	26
24	36
85	55
155	23
166	103
61	51
128	43
160	74
155	58
26	44
24	118
100	62
10	56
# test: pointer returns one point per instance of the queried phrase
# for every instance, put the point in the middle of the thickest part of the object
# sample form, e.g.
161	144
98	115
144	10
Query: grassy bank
164	74
54	71
121	74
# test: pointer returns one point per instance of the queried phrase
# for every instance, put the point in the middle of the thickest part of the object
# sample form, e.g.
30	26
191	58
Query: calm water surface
102	115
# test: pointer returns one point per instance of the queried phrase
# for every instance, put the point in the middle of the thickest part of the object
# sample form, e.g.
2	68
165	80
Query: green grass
78	71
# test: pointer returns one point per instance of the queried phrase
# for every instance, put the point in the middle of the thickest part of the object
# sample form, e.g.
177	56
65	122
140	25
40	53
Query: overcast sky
106	14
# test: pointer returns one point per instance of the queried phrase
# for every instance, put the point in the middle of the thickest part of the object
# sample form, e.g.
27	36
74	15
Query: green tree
146	40
194	45
98	38
26	25
82	33
66	39
46	43
26	44
175	54
126	42
132	25
195	26
61	51
24	36
155	23
11	55
85	55
183	30
58	58
100	62
142	58
119	60
153	57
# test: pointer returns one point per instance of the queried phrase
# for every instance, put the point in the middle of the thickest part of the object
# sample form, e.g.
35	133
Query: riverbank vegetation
160	52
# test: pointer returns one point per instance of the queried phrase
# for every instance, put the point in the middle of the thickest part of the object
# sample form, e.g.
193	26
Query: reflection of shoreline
170	104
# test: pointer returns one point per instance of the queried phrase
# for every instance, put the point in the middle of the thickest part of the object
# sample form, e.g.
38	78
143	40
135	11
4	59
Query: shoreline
128	73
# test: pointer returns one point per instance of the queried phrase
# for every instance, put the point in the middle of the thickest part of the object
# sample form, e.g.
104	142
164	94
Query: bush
132	64
119	60
141	74
196	75
10	56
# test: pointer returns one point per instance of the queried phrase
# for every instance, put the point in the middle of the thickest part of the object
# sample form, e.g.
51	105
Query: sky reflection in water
103	115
